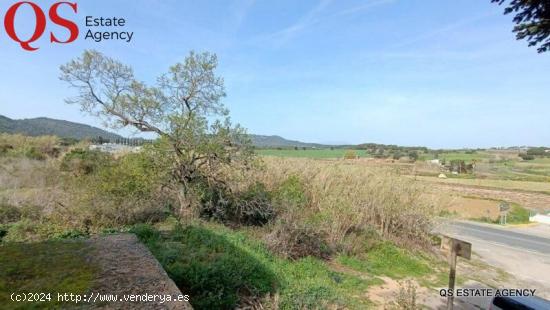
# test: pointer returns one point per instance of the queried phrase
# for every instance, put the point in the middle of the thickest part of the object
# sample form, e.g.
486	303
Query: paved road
525	255
501	237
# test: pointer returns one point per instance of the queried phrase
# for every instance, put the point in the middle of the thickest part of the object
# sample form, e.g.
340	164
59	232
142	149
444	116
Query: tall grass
343	199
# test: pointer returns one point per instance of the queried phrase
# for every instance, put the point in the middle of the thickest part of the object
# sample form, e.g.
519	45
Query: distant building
113	148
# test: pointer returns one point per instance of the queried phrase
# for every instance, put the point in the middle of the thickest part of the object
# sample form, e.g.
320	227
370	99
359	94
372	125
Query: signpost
453	248
504	207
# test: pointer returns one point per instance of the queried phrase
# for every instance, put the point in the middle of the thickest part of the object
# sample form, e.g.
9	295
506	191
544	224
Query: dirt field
473	208
527	186
534	201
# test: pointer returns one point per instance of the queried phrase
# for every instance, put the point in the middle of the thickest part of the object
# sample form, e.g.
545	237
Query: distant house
115	148
434	162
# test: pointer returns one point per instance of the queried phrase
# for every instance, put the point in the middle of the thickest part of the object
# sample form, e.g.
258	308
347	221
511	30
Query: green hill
46	126
276	141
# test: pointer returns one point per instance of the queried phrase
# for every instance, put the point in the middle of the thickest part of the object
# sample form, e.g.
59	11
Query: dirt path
128	267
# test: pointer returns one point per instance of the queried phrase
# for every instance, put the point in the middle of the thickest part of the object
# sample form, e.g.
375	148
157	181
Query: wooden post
453	248
452	276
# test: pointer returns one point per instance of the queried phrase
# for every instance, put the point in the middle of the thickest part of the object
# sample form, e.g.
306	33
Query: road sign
453	248
504	206
462	248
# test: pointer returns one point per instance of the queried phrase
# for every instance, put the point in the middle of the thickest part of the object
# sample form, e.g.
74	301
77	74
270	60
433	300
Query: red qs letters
40	24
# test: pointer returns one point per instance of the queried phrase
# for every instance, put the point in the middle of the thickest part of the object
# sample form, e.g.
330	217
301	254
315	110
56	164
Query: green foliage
83	162
184	108
37	148
119	192
308	153
397	156
350	154
538	151
293	239
251	207
133	175
33	153
146	233
3	232
218	266
386	259
291	192
68	131
413	155
531	20
209	266
27	230
9	213
525	156
518	215
48	267
358	241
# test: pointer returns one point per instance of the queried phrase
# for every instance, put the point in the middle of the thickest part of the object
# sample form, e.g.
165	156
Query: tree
350	154
532	21
184	109
413	155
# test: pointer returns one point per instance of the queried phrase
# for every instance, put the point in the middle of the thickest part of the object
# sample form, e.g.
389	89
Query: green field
339	153
309	153
47	267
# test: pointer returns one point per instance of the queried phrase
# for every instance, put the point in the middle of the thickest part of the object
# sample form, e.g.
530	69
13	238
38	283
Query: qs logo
40	23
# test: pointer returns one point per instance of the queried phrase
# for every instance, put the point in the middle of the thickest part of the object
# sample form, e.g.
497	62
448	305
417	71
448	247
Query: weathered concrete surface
127	267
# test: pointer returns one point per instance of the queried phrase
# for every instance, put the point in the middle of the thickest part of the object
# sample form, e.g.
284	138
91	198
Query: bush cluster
38	148
295	240
252	207
211	268
84	162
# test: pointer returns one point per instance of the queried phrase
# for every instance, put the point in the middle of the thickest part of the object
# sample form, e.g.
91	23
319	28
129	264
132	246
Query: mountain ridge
41	126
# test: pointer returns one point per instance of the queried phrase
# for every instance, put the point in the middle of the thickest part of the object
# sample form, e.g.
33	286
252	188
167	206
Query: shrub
291	192
5	148
358	241
526	156
125	191
30	231
294	240
518	215
350	154
209	266
3	232
9	214
406	298
38	148
252	207
33	153
413	155
84	162
145	232
213	203
343	199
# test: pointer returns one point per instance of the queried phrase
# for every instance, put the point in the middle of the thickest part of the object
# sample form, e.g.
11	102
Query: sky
442	74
